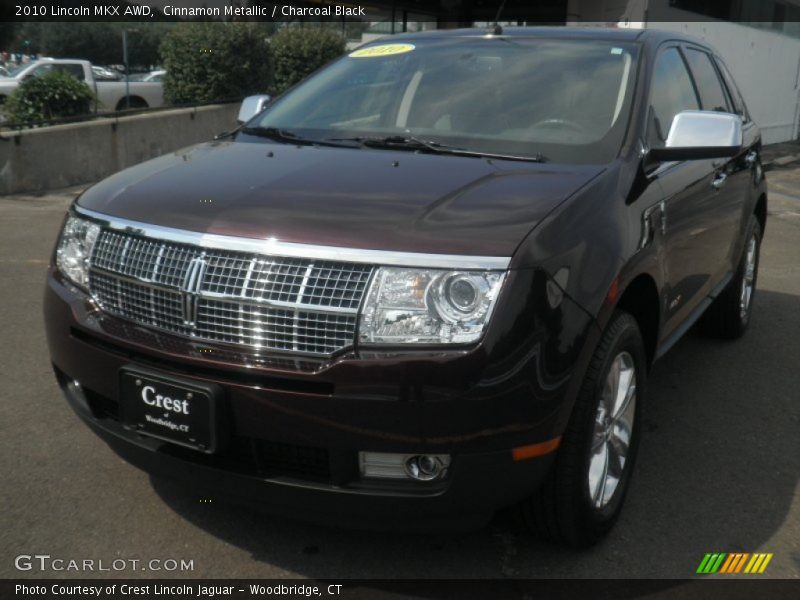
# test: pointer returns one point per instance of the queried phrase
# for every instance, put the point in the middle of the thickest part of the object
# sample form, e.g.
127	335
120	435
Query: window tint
671	92
712	96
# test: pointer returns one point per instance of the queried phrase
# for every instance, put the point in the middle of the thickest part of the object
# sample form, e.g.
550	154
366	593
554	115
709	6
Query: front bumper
296	426
477	485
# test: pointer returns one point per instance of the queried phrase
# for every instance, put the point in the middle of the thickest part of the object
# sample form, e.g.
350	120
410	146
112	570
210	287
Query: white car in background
155	76
111	95
105	74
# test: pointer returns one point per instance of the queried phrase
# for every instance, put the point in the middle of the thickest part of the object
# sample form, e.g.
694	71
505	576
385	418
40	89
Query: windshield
559	100
13	72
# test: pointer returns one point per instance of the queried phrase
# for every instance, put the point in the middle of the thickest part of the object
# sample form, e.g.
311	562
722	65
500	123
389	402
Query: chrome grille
146	305
288	304
142	258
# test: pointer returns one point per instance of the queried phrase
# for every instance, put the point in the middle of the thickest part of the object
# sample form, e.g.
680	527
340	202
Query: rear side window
41	70
74	70
736	96
712	95
670	93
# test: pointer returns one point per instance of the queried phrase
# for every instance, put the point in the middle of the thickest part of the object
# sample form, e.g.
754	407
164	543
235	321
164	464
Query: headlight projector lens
462	293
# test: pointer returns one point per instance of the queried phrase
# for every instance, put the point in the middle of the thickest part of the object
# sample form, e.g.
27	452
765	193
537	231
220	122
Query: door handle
719	180
751	158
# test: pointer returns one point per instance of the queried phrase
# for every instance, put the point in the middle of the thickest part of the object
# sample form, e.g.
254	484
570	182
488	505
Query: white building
763	55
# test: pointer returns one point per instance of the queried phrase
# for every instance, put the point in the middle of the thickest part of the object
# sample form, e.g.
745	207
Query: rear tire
583	493
730	314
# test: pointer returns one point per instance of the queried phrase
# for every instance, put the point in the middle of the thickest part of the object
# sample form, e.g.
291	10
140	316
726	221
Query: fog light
425	467
419	467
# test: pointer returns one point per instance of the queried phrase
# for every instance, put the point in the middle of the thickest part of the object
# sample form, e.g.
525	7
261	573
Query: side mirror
251	106
701	134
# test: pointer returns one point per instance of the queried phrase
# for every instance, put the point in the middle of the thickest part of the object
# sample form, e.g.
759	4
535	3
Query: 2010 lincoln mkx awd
426	283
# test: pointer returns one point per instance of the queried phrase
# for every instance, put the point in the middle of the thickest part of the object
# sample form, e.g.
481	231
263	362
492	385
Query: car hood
355	198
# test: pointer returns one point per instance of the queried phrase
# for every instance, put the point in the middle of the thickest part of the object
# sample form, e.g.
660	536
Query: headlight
75	248
428	306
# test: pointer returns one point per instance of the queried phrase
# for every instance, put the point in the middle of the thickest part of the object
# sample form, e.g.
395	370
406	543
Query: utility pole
127	68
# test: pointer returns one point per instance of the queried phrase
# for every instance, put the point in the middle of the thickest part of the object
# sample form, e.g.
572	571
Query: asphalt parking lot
718	468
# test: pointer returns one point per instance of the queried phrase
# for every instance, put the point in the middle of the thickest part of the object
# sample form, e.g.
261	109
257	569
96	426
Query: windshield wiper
411	142
275	133
287	137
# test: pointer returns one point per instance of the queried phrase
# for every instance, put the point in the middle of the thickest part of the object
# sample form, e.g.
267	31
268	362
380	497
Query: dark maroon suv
427	282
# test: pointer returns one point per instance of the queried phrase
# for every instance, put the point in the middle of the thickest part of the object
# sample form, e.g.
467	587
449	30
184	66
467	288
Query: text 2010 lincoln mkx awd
425	284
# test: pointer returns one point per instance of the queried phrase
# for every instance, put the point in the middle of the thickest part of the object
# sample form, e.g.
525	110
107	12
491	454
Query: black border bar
732	588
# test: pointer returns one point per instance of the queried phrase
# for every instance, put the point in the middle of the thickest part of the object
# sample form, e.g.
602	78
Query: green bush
297	52
56	94
215	61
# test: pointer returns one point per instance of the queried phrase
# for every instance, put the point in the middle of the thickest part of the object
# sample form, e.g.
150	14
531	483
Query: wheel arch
142	103
640	299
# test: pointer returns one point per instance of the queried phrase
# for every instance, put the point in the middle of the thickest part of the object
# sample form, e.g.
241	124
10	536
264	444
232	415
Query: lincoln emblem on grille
192	282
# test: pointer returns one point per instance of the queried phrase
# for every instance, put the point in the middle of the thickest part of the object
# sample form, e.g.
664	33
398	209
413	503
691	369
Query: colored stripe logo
733	563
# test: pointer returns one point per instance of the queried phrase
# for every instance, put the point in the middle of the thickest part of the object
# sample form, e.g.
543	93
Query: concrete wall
64	155
602	12
765	64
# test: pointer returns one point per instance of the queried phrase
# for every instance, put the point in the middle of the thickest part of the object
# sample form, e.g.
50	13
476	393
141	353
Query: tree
297	52
7	33
215	61
143	43
99	43
27	37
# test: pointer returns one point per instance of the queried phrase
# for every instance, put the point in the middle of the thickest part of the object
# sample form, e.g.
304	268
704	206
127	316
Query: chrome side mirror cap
251	106
705	129
701	134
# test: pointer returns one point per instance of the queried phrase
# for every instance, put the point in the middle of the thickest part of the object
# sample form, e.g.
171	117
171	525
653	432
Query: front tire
582	495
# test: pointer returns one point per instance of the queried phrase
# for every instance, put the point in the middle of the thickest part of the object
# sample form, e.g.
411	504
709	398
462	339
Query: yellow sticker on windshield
382	50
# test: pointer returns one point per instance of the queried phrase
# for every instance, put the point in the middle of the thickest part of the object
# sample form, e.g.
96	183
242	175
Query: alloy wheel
748	279
613	428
